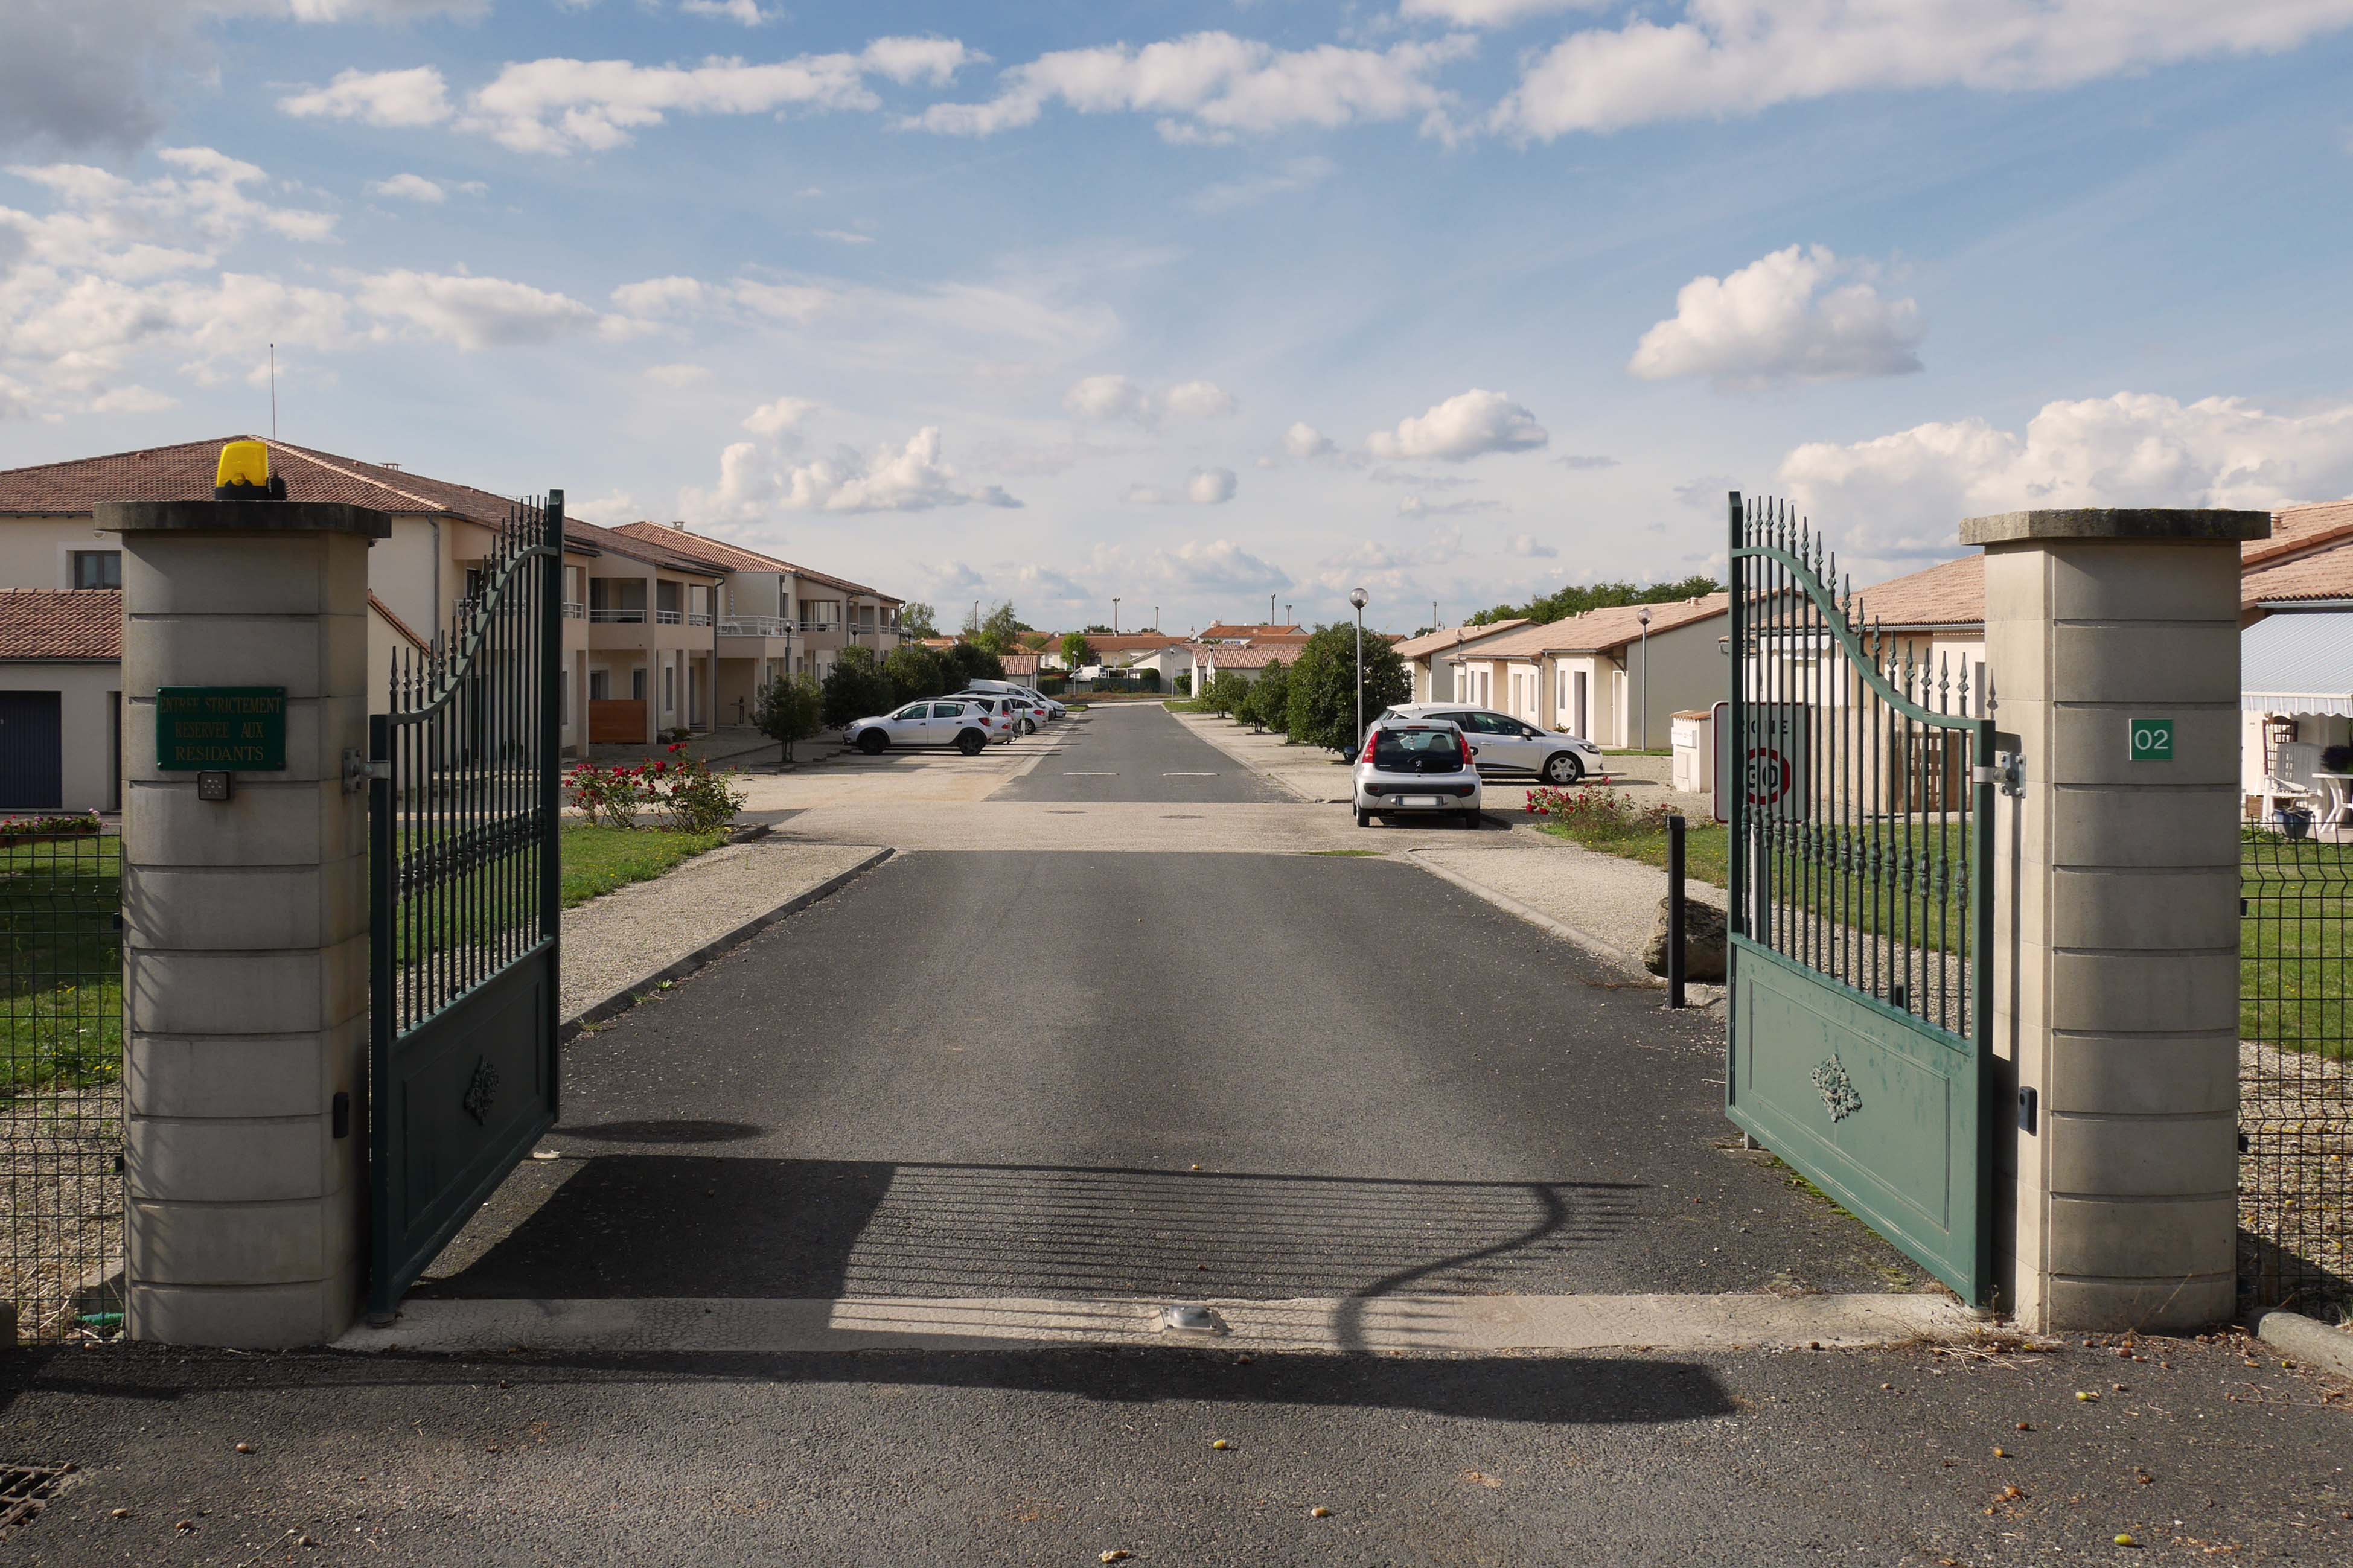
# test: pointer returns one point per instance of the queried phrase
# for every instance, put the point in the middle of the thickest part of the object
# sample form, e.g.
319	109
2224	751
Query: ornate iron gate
464	882
1860	783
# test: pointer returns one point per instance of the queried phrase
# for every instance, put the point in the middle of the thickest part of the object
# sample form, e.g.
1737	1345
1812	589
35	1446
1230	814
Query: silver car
1509	747
1416	767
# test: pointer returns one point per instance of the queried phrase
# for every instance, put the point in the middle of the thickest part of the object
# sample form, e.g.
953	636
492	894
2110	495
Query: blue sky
1192	304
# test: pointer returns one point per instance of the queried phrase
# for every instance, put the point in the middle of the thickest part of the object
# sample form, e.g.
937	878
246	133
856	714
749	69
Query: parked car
1416	767
1507	746
967	723
1053	709
1030	712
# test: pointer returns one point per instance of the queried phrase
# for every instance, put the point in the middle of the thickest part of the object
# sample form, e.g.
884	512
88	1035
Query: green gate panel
1875	1108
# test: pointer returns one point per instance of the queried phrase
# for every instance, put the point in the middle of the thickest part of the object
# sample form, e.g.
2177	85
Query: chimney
393	467
679	524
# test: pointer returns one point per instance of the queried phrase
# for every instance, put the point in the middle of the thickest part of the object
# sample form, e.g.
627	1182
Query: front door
32	755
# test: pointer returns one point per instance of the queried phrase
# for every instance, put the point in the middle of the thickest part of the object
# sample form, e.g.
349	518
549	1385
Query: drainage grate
24	1488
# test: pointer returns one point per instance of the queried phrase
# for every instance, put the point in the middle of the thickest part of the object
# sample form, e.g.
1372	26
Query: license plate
1421	800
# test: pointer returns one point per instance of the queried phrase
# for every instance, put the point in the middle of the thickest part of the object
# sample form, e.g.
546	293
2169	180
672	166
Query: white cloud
1110	397
1491	13
1304	440
473	312
608	510
411	188
1900	497
1585	460
1290	179
742	11
1529	545
1783	317
1462	427
843	237
393	98
132	400
1216	565
1735	56
1210	487
775	418
1210	86
678	377
910	477
659	296
558	105
1423	506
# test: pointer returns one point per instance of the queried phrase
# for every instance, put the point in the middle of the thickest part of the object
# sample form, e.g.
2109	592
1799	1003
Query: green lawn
598	859
1184	705
60	963
2292	959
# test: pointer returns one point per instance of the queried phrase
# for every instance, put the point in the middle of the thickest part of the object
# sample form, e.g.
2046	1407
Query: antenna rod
273	392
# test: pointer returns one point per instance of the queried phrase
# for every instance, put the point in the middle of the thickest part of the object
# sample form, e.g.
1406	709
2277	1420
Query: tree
856	688
1077	651
915	671
1573	600
1269	705
919	620
998	632
790	708
1096	628
966	664
1225	692
1323	685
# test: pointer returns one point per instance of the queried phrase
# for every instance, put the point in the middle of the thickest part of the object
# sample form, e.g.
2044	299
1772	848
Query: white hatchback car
1506	746
1416	767
1028	712
967	723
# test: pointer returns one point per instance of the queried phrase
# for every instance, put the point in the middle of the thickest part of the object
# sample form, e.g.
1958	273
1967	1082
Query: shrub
855	688
1184	686
1076	651
791	709
913	671
1225	692
2337	759
610	796
1592	812
967	663
49	826
1323	684
1269	705
689	794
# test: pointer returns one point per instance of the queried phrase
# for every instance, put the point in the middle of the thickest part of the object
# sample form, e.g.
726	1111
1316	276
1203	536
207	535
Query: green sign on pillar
239	729
2152	741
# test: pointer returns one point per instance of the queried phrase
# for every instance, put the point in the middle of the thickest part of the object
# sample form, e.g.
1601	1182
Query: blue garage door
32	773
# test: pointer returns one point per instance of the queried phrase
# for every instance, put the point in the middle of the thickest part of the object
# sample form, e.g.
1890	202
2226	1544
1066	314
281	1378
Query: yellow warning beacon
244	474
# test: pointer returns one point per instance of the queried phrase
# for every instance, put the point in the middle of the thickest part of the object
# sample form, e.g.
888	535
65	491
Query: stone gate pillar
2112	637
244	919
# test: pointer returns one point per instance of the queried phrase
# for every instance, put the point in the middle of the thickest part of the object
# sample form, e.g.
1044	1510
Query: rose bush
684	791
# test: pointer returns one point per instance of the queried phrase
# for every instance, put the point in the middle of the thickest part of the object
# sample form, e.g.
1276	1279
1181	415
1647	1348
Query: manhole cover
24	1488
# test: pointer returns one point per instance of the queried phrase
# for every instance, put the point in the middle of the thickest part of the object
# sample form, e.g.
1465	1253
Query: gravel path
637	931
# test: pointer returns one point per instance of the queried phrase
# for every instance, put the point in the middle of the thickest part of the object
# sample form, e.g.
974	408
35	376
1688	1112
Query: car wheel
1561	768
872	742
1467	818
1028	726
972	742
1364	818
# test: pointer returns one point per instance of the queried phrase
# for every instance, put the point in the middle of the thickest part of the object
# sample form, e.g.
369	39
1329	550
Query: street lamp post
1644	699
1357	596
1114	614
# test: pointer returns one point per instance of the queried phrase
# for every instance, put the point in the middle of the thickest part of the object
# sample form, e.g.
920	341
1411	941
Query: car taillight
1465	741
1370	741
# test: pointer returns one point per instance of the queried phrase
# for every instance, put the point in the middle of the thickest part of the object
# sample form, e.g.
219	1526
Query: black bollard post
1675	910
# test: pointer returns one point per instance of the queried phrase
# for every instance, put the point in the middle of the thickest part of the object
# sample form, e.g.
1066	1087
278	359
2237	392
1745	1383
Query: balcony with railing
575	611
626	615
670	617
755	626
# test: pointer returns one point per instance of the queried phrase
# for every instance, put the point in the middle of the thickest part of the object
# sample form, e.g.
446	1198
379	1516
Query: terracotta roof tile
1597	631
1263	629
1446	637
2323	574
1250	656
52	623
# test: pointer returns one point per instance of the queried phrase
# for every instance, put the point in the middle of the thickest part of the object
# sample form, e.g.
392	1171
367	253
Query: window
670	688
601	684
564	697
638	684
912	711
947	710
98	569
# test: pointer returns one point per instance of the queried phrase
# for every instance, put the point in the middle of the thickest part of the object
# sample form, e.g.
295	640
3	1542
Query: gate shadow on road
678	1225
1579	1390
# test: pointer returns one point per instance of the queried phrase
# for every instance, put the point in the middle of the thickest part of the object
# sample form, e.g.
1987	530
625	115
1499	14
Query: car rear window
1418	750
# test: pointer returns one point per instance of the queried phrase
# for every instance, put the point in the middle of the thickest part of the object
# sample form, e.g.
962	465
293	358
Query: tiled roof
49	624
1445	637
1949	593
2324	573
1127	642
736	558
2298	527
395	622
1264	629
1597	631
1250	656
1019	664
654	551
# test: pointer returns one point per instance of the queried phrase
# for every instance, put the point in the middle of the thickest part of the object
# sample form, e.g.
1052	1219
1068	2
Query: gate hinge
2010	775
358	769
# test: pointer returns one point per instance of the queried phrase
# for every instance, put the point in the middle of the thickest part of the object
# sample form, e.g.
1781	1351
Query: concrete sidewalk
1605	904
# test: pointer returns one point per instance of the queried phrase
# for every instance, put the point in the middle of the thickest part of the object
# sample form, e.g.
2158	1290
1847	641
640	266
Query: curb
2307	1339
627	997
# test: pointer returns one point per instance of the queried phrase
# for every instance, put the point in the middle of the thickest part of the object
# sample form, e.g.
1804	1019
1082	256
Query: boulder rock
1703	942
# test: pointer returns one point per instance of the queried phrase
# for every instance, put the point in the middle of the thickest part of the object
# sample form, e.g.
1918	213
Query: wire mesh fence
60	1068
2296	1091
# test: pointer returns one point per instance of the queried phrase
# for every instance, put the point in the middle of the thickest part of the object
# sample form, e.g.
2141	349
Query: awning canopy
2297	662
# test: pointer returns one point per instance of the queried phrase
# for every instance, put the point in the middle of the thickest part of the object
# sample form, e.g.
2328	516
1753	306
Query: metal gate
463	877
1862	783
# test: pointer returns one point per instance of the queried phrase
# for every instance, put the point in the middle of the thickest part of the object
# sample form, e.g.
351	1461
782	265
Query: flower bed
681	792
24	829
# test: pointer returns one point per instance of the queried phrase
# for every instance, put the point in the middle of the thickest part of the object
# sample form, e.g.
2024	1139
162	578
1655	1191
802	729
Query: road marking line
1436	1325
1071	775
1206	775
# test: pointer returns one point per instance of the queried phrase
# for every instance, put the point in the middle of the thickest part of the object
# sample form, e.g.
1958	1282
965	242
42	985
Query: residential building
774	617
1247	660
1224	631
1604	675
1433	674
60	700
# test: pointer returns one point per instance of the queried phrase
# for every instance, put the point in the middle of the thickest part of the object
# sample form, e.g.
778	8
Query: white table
2338	804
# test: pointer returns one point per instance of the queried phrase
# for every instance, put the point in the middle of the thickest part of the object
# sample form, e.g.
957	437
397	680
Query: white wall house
1426	661
1600	675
